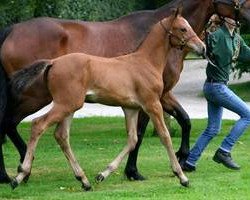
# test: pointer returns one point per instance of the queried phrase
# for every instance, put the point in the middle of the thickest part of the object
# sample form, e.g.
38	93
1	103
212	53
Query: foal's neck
156	46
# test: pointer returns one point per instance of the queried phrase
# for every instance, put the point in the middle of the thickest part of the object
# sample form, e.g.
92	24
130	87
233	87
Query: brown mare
48	38
133	81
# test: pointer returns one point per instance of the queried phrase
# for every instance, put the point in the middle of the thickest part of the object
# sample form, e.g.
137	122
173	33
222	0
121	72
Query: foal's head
181	34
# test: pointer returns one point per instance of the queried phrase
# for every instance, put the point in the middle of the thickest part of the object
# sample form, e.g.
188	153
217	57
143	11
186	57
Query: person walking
224	47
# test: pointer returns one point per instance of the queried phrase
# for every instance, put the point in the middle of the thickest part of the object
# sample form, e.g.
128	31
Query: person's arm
244	54
212	43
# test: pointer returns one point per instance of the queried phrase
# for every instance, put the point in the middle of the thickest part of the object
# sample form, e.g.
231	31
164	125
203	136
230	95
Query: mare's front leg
131	170
172	107
131	117
155	112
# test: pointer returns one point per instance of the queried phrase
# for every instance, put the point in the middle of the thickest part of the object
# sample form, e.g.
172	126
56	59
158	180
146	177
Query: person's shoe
225	158
187	167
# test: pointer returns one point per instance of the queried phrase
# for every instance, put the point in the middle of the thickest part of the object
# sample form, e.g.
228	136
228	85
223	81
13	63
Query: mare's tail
3	77
24	78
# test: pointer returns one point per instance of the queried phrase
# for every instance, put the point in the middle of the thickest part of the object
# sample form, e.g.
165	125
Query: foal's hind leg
39	125
155	112
131	123
62	138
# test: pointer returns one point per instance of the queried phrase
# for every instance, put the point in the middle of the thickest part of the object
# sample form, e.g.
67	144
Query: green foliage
243	67
14	11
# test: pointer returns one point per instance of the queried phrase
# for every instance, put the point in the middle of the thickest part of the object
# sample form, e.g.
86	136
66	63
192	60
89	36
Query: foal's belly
111	99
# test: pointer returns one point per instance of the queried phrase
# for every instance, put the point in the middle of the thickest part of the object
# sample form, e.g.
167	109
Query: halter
182	41
237	4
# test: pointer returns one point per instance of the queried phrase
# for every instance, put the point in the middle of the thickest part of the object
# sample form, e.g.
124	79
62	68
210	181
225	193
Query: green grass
96	141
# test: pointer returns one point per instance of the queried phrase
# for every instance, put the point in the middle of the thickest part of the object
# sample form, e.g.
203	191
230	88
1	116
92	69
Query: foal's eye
183	30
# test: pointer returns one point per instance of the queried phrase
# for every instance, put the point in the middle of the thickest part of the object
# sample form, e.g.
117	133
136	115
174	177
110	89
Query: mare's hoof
4	178
181	157
185	183
99	178
86	187
13	183
134	175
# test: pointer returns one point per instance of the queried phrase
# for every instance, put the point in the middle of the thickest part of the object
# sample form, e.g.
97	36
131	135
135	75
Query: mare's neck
155	47
196	12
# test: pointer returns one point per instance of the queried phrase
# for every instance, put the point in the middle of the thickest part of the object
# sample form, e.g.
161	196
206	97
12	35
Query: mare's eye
184	30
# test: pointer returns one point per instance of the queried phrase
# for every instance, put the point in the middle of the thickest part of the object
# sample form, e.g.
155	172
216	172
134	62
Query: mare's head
234	9
180	33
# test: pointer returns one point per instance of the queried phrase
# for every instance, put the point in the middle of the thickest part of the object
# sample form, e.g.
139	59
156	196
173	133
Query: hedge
13	11
243	67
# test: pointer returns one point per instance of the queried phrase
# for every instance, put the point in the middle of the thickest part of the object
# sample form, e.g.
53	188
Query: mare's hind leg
39	125
131	117
131	170
4	178
155	112
62	138
172	107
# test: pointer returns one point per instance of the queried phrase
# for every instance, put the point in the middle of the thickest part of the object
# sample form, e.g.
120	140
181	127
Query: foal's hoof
99	178
4	178
20	170
185	183
13	183
134	175
86	187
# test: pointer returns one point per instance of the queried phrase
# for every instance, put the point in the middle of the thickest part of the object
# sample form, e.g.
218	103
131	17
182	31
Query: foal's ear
177	11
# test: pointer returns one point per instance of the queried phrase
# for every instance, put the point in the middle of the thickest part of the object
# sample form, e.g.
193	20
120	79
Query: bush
243	67
13	11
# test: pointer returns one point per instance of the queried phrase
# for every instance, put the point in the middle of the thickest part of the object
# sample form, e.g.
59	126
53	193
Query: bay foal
133	81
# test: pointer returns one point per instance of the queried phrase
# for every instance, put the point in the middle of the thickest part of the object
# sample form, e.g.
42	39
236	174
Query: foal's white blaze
197	46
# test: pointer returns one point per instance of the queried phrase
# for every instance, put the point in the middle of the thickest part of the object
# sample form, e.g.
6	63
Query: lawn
96	141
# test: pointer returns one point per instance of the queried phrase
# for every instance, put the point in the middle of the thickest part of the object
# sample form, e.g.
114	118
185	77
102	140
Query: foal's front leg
155	112
172	107
62	138
131	123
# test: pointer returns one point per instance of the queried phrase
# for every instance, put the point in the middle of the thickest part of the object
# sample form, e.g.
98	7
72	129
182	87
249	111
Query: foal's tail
24	78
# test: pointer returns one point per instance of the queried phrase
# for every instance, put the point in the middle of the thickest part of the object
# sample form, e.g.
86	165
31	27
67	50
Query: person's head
214	23
230	23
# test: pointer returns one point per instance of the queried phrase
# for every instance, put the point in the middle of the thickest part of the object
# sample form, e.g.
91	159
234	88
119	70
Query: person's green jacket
224	50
